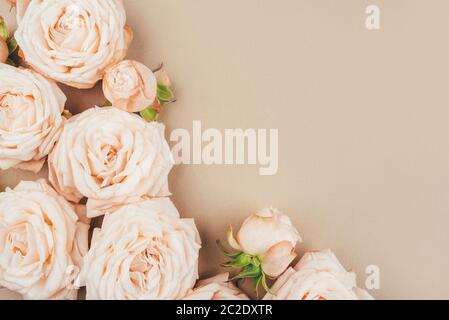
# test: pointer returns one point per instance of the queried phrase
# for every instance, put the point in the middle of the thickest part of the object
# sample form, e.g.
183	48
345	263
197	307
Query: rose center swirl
145	265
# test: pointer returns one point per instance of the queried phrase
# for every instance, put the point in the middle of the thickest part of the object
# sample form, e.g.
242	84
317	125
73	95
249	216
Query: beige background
363	119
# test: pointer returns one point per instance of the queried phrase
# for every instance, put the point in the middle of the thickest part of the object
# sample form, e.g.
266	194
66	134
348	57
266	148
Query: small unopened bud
162	77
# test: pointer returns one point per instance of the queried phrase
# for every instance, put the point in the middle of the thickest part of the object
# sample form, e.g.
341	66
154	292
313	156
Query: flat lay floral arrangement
110	164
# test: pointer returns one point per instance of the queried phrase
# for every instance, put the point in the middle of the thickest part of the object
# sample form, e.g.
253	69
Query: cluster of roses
112	162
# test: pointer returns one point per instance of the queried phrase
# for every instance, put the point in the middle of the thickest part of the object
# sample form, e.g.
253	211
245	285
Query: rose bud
265	243
162	77
130	86
133	87
164	96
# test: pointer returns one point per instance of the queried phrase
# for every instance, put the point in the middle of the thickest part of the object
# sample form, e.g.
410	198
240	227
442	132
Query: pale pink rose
30	118
317	276
270	235
144	251
72	41
130	86
162	77
111	157
42	242
216	288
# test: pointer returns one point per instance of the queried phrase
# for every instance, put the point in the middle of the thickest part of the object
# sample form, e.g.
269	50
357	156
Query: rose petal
216	288
278	258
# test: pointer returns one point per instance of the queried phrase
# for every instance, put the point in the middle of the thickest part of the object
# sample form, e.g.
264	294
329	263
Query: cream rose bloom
111	157
30	118
130	86
270	235
143	251
216	288
42	242
72	41
317	276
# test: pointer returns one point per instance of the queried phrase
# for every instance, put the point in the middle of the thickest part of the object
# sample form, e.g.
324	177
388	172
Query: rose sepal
164	95
250	266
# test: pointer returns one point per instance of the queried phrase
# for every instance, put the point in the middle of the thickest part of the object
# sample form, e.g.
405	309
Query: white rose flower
216	288
143	251
30	118
270	236
42	242
111	157
72	41
318	276
130	86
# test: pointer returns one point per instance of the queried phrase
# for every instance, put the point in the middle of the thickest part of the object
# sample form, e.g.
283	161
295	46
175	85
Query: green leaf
249	271
4	32
164	93
240	261
12	45
149	114
243	260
